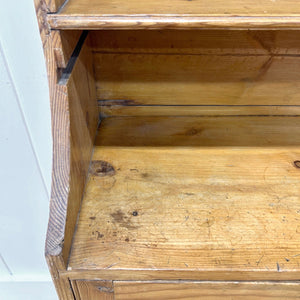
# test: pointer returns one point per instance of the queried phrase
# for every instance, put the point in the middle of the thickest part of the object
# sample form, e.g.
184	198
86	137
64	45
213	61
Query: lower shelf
163	290
192	198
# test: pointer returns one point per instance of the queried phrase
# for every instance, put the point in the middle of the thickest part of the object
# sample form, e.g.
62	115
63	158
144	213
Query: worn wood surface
74	122
54	5
123	108
161	79
183	69
199	132
83	125
59	114
195	195
204	42
65	42
93	290
206	290
96	14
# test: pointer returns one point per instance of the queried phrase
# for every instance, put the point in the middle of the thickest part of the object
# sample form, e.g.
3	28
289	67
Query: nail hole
297	163
135	213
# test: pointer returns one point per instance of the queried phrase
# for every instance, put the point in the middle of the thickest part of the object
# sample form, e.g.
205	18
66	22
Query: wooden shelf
176	14
202	198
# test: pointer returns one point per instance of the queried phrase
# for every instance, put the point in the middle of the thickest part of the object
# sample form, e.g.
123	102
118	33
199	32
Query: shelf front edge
62	21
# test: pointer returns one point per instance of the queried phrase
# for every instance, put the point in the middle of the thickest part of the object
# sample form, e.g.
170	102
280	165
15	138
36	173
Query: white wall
25	155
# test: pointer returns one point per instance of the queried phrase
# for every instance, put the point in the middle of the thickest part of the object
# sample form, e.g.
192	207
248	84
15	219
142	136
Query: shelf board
203	198
176	14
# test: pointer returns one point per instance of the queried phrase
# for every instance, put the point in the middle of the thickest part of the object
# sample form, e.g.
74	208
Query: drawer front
136	290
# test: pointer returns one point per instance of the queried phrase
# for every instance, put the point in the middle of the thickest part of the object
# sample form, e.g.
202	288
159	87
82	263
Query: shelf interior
196	194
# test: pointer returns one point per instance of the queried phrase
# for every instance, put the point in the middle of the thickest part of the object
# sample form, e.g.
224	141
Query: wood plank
217	42
199	131
117	14
112	109
177	7
83	125
202	197
206	290
60	127
74	121
94	290
162	79
65	42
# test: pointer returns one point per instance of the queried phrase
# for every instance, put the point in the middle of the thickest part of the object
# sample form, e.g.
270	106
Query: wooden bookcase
176	159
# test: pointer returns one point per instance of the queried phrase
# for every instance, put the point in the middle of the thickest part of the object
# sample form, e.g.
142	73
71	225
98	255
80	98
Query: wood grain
117	14
160	79
83	125
59	115
93	290
74	123
205	42
65	42
54	5
204	198
121	109
200	132
206	290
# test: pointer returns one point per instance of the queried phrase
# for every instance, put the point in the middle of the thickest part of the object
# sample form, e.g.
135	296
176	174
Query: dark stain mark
208	223
127	240
134	170
287	259
297	164
192	131
135	213
105	289
93	218
189	194
118	102
189	132
123	220
101	168
99	235
278	267
145	175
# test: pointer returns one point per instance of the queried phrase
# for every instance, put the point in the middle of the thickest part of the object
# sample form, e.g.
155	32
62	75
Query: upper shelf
177	14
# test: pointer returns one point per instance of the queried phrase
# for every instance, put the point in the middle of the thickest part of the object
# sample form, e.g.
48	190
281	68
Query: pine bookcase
176	148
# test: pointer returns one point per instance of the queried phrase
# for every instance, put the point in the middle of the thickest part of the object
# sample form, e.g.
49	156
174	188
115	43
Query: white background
25	155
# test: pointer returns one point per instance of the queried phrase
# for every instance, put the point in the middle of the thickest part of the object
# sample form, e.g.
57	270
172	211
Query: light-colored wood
65	42
205	42
62	284
206	290
83	124
210	196
194	68
74	123
177	7
54	5
113	109
117	14
198	79
59	115
216	132
93	290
